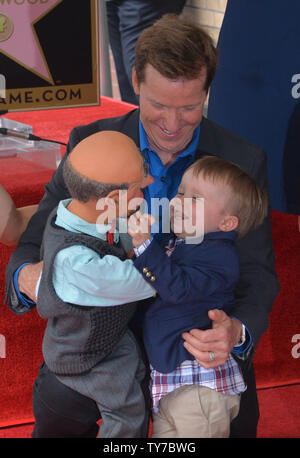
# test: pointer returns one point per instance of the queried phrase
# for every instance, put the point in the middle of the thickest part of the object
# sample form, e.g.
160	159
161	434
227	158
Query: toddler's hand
139	227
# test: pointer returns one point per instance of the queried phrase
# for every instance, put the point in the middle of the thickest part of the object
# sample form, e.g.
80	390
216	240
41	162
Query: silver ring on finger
211	355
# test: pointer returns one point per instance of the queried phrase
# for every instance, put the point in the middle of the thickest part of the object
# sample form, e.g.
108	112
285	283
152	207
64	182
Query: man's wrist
237	326
244	340
22	297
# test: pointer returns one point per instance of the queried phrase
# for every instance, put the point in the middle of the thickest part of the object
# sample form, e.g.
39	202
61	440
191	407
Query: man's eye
157	105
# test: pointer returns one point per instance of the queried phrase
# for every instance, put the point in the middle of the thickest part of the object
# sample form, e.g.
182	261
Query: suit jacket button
145	269
148	274
152	278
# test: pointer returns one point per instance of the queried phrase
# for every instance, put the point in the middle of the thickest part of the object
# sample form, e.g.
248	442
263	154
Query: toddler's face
199	202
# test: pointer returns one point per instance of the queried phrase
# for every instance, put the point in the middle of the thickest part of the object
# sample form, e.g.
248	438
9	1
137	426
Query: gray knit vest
77	337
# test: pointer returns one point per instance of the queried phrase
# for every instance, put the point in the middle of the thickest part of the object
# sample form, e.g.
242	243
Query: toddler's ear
229	223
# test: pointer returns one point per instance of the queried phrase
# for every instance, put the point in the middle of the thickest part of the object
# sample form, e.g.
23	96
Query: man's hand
217	342
28	278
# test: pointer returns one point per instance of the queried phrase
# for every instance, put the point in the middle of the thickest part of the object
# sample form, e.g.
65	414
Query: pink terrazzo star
23	45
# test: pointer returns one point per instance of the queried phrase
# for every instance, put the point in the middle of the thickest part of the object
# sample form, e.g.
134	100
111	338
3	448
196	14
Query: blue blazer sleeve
191	272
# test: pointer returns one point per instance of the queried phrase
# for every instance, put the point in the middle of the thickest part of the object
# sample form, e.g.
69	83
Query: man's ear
135	82
229	223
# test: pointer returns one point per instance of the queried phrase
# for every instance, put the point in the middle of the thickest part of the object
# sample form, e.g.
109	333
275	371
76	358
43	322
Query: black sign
48	53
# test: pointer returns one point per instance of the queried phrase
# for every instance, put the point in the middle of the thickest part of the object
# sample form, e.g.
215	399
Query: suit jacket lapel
131	126
207	143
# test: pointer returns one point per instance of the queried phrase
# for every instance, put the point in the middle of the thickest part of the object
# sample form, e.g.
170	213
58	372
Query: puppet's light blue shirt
81	277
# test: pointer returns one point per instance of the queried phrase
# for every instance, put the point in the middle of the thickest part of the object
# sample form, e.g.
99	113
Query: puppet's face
132	198
111	158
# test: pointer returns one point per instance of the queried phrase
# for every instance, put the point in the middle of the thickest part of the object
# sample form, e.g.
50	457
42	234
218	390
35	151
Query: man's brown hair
249	202
176	48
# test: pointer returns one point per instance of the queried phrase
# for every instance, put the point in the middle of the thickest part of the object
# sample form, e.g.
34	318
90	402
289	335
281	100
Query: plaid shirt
226	378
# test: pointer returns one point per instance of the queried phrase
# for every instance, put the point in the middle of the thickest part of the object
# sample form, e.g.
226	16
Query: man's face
170	110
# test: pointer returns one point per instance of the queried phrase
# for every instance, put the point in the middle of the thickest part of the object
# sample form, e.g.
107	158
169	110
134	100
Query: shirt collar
74	223
218	235
190	150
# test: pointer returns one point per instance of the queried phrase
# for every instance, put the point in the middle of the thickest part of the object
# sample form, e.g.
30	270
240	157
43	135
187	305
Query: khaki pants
195	411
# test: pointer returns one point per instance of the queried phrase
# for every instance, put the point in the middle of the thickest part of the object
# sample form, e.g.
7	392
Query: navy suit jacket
189	282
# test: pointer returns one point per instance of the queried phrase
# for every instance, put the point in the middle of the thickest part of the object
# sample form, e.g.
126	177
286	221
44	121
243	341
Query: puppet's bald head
107	157
98	168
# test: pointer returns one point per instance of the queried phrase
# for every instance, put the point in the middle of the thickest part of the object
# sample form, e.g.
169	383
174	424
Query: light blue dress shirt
81	277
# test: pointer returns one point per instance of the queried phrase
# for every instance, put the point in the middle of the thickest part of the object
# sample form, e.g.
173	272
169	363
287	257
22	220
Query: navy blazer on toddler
189	282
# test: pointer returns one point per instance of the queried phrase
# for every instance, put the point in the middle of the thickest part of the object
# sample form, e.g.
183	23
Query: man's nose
171	120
